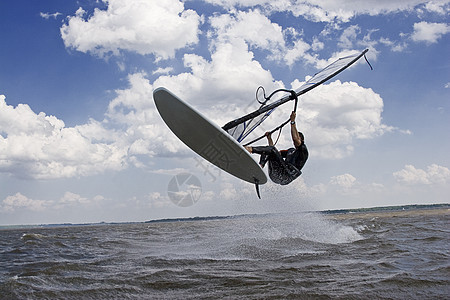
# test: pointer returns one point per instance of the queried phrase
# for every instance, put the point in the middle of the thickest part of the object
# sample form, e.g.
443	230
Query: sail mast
309	85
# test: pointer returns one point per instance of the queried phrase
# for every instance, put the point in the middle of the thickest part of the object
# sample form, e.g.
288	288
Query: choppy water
400	255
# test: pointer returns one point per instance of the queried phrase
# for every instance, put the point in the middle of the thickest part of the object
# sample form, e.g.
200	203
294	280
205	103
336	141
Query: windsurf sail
240	128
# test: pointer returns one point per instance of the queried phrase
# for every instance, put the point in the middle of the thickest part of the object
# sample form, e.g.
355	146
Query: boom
320	77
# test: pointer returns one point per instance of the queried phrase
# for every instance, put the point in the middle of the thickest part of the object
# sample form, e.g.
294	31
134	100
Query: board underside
206	138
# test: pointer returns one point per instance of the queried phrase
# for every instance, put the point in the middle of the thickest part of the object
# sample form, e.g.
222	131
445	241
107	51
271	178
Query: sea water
391	255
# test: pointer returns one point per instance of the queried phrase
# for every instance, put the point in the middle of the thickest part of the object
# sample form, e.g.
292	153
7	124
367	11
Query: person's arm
294	132
269	138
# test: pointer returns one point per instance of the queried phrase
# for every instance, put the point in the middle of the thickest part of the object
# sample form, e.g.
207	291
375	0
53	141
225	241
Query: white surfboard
206	138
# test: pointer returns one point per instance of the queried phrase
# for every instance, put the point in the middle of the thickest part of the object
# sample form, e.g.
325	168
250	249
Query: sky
81	140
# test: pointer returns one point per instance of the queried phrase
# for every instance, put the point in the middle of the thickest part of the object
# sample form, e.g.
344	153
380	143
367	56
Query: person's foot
248	148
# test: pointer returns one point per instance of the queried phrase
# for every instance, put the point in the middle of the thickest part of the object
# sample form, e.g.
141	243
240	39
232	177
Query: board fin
257	187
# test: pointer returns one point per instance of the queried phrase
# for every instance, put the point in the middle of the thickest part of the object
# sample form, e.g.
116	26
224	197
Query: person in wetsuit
285	165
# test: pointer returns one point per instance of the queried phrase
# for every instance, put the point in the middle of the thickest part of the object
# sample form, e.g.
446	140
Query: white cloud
350	189
434	174
139	128
70	198
332	116
349	36
40	146
394	45
163	70
252	26
328	10
335	114
369	7
347	185
146	27
318	13
438	7
345	181
221	79
19	201
429	32
296	52
317	45
156	200
228	192
49	15
257	31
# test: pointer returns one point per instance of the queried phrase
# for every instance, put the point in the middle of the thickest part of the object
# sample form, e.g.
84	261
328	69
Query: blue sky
81	140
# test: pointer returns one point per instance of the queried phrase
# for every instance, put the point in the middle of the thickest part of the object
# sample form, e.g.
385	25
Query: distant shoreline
388	208
380	209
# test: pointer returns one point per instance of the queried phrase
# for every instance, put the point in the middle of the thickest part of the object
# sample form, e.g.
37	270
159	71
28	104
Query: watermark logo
208	169
184	189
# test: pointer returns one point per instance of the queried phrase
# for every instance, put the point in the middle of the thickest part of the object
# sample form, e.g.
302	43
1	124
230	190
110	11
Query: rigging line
293	94
368	62
278	137
261	137
264	95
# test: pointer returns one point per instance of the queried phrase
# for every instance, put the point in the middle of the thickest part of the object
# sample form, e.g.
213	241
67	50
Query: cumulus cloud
347	191
438	7
252	26
349	36
429	32
19	201
299	50
258	31
221	78
345	181
285	45
72	198
40	146
326	10
156	200
127	26
139	129
335	114
146	27
434	174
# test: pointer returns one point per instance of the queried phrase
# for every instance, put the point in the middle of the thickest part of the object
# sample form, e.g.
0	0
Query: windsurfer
284	165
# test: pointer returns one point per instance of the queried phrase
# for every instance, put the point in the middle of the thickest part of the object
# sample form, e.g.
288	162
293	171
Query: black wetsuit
285	165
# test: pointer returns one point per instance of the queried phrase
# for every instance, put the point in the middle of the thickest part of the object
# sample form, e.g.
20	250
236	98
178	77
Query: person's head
302	137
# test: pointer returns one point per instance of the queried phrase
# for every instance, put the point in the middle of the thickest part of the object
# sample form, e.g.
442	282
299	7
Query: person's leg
277	168
266	152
